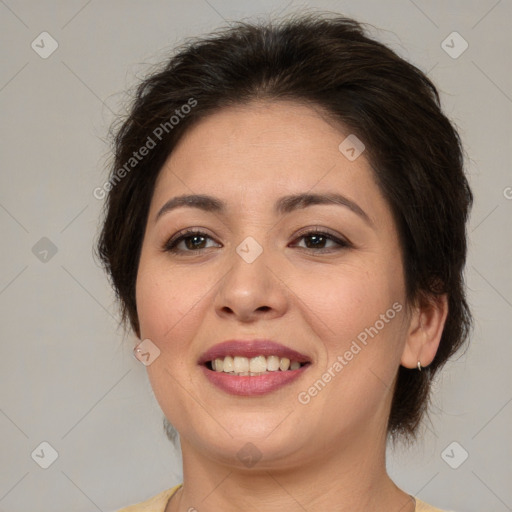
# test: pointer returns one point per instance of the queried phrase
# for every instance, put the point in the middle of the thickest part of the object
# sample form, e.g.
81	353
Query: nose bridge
249	270
250	285
249	250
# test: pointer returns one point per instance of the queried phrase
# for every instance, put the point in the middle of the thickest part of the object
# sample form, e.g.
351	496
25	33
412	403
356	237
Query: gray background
68	375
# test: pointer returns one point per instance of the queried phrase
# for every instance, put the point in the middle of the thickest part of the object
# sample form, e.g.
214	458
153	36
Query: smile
254	366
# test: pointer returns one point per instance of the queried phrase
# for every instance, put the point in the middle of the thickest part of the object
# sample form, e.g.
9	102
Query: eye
315	240
193	241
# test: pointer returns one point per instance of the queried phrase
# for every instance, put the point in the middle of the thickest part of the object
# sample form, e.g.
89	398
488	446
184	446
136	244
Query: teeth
259	365
272	363
284	364
241	364
229	364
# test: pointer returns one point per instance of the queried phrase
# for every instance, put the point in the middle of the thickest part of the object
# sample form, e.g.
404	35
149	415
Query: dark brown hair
330	62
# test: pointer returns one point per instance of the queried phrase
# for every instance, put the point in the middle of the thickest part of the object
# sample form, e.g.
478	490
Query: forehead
260	131
260	148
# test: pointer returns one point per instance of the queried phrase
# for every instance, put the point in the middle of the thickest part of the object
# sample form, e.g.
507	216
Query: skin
315	299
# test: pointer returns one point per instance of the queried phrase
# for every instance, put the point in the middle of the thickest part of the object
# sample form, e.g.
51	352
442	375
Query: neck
348	479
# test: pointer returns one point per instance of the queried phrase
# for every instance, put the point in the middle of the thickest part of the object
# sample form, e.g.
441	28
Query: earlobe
425	330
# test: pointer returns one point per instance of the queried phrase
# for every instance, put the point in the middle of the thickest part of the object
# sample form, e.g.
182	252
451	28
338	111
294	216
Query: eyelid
183	234
323	230
341	241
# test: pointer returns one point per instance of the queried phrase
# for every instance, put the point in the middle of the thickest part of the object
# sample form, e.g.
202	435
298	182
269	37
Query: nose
251	291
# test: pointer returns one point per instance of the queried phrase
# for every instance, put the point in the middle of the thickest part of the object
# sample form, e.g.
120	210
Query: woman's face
324	279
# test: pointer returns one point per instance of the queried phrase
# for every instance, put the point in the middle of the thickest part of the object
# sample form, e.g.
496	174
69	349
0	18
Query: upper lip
251	348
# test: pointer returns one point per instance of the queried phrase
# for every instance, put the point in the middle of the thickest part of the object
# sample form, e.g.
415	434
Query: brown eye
192	241
317	240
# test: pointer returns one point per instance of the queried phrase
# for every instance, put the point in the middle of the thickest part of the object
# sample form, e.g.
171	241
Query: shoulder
155	504
421	506
159	502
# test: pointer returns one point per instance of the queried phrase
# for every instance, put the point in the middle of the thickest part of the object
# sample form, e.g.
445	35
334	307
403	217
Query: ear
425	329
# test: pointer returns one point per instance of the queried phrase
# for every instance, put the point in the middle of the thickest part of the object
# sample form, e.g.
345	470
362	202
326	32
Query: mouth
252	367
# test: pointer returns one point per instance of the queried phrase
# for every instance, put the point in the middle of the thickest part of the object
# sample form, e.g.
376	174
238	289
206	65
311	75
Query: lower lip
252	386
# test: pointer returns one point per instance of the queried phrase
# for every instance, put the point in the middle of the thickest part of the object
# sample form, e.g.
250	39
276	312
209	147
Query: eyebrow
283	205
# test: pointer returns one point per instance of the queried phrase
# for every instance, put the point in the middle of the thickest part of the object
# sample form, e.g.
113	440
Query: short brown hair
328	61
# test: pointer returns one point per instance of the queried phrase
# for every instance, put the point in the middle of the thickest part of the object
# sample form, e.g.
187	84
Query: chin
252	440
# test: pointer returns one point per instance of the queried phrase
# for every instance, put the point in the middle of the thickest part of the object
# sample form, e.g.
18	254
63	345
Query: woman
285	229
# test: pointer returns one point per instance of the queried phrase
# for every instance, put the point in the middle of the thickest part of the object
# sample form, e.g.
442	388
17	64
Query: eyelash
171	245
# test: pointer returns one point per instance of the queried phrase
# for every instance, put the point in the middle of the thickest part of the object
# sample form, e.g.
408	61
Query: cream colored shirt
159	502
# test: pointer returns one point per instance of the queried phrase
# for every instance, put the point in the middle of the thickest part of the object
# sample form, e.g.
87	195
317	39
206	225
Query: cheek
357	315
168	306
164	299
356	312
347	299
